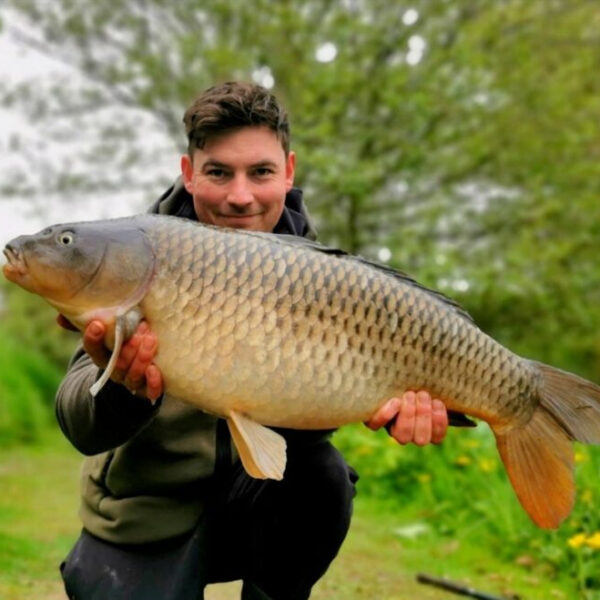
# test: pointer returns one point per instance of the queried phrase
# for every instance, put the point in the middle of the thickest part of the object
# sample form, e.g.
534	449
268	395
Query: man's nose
240	193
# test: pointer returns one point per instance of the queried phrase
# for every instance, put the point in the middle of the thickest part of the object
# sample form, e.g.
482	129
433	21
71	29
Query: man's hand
418	419
135	368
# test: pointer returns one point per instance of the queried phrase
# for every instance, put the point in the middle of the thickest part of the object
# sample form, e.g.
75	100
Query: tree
460	135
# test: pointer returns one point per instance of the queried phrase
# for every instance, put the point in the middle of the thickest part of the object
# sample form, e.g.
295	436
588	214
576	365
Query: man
166	507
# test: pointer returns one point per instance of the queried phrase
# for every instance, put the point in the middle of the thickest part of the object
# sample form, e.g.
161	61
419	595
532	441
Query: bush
461	489
28	382
30	322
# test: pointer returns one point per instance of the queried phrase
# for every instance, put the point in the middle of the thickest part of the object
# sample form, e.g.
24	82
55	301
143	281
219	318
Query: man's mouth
240	216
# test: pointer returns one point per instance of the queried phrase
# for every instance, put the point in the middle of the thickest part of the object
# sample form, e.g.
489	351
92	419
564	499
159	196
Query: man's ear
187	172
290	169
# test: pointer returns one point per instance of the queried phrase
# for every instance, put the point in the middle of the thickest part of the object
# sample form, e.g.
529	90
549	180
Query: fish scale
366	329
268	330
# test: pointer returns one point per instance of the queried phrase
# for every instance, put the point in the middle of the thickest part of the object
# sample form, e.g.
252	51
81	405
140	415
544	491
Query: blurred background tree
456	140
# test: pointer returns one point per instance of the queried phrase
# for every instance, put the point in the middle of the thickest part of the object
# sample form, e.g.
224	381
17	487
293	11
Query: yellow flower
471	443
587	497
364	450
462	461
593	541
577	540
580	457
487	465
424	477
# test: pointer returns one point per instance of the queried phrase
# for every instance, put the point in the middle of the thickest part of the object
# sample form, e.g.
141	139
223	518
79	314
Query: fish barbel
269	330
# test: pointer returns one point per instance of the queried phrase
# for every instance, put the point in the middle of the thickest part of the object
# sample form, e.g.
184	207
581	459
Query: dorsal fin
292	240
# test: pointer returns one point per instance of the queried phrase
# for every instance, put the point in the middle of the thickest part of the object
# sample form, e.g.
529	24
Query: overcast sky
14	66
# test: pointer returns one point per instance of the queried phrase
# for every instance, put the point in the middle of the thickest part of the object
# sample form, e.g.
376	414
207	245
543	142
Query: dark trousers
279	537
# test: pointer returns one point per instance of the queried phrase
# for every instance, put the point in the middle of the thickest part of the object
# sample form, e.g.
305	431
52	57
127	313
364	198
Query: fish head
83	269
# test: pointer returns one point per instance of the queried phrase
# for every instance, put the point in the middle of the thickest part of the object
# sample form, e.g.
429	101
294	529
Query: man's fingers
423	416
439	422
134	368
413	418
128	352
93	343
134	379
385	414
154	383
131	346
403	429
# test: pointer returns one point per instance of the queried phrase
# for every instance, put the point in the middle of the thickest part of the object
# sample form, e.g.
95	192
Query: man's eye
263	171
218	173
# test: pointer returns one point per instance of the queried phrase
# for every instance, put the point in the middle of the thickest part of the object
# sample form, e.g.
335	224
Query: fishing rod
457	588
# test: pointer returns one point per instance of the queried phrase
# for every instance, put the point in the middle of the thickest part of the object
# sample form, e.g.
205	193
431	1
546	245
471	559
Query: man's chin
251	222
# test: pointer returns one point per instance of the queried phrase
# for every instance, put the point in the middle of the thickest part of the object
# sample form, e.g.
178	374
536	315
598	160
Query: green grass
461	491
38	524
380	560
38	517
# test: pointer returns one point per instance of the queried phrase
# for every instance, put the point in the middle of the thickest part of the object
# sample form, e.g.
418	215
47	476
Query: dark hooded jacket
295	220
149	469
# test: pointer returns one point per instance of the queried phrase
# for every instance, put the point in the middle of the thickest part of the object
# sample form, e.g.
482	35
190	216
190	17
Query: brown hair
233	105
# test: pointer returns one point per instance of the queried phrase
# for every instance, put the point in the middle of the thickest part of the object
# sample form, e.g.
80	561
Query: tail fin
573	401
538	456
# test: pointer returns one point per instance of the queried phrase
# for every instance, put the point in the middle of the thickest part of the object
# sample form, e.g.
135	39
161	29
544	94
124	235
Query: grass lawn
38	517
380	559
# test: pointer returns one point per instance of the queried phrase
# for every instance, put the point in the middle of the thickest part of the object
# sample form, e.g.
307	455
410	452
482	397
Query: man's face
240	179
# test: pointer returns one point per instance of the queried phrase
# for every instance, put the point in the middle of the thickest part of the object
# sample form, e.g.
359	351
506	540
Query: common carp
269	330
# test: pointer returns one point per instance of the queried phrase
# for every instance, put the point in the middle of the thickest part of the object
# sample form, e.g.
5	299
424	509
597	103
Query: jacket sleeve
95	425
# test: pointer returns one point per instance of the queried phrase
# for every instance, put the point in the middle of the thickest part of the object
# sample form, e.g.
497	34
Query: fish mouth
15	268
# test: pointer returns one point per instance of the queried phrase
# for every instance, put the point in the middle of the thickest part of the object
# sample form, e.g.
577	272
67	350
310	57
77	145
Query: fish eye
66	238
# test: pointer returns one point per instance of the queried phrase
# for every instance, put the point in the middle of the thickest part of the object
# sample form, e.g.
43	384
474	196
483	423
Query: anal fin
539	461
261	450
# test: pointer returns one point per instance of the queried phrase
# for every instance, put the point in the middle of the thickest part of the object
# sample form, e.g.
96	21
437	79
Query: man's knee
300	522
323	467
321	485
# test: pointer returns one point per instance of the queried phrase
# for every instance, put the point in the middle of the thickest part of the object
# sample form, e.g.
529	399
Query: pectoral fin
125	325
261	450
119	326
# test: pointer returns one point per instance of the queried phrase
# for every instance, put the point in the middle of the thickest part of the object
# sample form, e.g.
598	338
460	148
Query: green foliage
33	356
31	323
28	382
460	489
